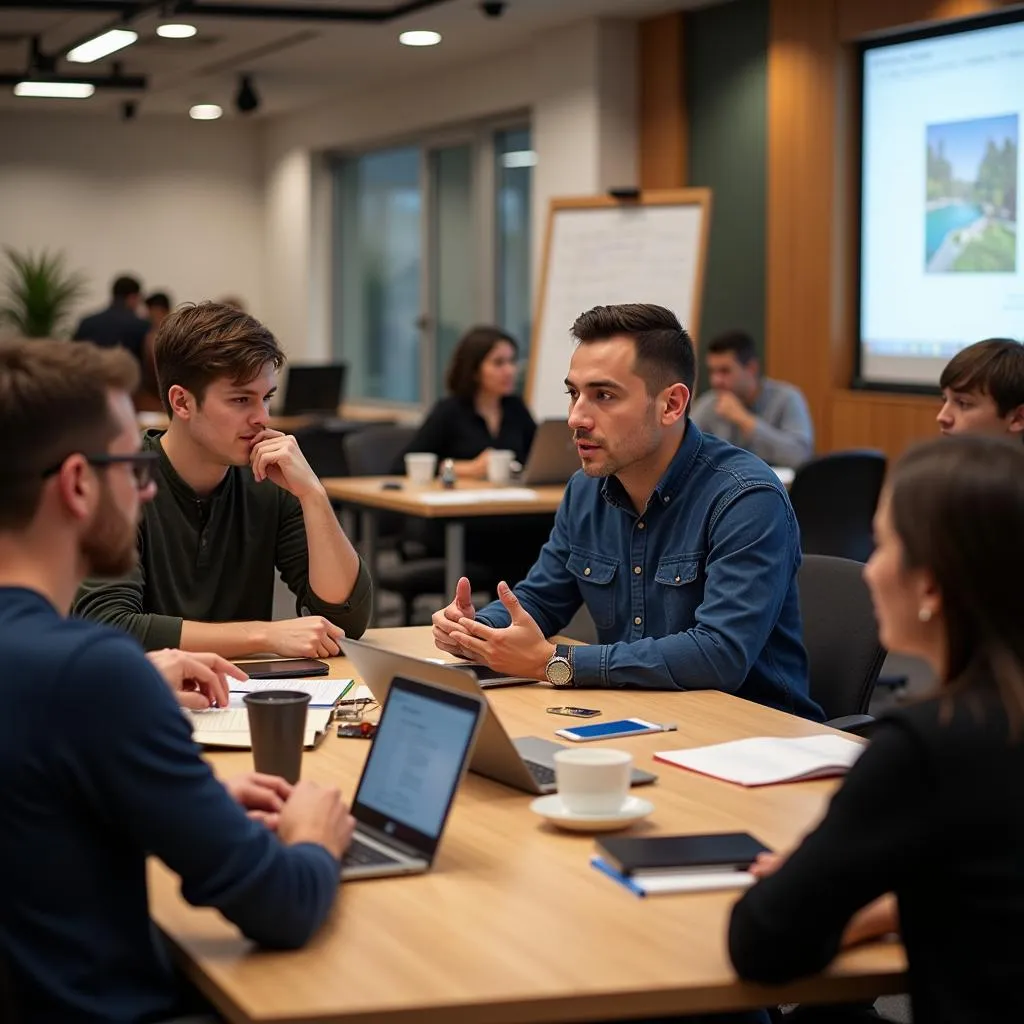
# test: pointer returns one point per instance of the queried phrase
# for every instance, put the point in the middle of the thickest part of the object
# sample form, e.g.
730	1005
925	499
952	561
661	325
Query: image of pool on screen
971	208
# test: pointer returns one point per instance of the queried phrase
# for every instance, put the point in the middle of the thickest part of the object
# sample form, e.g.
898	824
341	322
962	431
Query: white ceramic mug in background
420	467
499	465
593	781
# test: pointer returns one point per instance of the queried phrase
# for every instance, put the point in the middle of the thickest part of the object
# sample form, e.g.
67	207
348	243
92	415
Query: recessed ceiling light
205	112
55	90
420	37
103	45
176	31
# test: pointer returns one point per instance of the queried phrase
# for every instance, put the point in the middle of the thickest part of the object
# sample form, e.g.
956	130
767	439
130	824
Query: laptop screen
413	769
314	389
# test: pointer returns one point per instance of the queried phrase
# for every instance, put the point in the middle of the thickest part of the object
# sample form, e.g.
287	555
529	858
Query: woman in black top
926	835
482	411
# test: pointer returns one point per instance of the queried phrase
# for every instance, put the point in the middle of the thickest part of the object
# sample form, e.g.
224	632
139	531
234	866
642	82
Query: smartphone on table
612	730
286	668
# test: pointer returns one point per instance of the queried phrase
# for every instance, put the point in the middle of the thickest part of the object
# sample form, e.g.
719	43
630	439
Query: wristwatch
559	667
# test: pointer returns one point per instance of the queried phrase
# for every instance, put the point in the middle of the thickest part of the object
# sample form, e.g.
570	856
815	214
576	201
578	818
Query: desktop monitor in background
314	389
941	263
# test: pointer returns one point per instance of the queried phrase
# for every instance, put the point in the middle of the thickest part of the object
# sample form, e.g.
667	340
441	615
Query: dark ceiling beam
372	15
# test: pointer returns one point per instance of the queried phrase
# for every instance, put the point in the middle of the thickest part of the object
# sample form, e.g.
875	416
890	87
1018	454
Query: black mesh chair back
834	498
840	633
375	451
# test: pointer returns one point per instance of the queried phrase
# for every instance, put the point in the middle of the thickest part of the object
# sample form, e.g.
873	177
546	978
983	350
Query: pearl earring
925	615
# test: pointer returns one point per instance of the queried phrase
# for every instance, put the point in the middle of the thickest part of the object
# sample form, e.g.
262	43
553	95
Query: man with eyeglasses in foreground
98	762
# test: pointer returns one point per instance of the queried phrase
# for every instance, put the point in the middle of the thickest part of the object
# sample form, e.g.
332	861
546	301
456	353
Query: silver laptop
526	763
553	456
414	767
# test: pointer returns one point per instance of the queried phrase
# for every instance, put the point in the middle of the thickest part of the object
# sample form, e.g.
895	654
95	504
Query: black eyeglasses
141	464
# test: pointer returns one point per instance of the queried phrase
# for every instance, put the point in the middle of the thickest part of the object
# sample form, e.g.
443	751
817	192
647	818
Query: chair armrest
859	725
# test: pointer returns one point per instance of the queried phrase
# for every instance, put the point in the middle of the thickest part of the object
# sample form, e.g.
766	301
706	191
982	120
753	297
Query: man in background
119	324
98	762
147	398
983	390
767	417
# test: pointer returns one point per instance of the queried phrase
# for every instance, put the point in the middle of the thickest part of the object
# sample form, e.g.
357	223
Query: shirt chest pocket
680	589
595	576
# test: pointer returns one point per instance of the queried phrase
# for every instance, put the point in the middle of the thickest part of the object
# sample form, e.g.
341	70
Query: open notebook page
229	727
764	760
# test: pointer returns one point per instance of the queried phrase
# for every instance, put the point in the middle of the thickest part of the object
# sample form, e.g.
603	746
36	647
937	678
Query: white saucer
551	807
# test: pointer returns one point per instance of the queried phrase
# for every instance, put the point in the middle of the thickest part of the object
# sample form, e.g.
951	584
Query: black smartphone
287	668
574	712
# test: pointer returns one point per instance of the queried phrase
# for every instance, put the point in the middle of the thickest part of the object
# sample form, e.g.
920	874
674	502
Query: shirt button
679	579
641	526
667	498
586	572
637	621
637	570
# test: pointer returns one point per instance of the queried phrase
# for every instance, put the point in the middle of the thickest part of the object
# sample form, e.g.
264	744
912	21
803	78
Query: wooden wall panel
663	115
858	18
864	419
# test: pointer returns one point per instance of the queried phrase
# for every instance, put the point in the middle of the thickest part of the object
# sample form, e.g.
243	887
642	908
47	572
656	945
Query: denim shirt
697	593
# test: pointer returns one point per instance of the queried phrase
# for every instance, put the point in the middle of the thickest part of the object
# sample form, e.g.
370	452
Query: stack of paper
662	883
229	727
479	494
764	760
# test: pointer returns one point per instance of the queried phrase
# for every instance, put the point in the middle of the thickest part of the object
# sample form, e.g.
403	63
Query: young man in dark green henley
234	501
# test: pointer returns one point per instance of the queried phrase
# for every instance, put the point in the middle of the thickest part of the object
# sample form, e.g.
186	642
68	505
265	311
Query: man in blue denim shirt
684	548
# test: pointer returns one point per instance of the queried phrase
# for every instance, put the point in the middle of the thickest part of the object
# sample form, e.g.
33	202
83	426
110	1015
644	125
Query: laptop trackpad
533	748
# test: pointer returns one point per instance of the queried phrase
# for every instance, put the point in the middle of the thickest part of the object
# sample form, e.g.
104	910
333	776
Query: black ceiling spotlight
247	99
493	8
128	110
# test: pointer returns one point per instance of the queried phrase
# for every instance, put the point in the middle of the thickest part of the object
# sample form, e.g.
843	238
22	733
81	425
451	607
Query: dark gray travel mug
277	725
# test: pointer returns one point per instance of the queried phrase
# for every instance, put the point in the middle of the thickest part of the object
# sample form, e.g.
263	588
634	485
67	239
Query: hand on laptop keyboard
316	814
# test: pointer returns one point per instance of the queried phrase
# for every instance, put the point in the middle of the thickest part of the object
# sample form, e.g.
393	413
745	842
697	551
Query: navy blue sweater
97	771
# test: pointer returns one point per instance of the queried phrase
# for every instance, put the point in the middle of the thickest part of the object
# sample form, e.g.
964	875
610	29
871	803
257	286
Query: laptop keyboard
360	855
543	774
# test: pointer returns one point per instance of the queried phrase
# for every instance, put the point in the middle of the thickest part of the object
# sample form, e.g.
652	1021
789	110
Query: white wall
578	85
177	202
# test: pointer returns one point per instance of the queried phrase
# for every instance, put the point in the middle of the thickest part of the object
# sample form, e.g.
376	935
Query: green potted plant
40	292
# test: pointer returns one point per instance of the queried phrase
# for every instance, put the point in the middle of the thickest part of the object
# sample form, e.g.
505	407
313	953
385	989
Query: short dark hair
739	343
53	399
957	506
994	367
473	348
664	350
161	299
200	343
125	287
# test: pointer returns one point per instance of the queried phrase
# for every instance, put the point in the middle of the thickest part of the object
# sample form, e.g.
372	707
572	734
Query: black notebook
723	852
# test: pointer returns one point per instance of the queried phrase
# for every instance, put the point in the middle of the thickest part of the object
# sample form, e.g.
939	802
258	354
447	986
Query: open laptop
553	456
414	767
526	763
314	389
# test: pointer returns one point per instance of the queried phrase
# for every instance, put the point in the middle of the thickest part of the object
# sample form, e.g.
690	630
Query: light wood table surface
512	924
368	496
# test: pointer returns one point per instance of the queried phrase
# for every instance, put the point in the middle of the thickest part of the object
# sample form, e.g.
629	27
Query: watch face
559	673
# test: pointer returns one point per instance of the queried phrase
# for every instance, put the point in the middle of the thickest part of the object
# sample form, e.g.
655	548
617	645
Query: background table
368	496
512	924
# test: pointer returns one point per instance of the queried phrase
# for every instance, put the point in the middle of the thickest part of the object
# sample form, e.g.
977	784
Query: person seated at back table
926	834
684	548
98	765
482	413
119	324
983	390
235	501
767	417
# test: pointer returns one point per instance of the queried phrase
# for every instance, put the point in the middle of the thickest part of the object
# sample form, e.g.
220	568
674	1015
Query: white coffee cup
420	467
593	781
499	465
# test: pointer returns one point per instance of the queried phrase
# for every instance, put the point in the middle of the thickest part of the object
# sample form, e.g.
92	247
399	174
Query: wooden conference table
371	495
512	924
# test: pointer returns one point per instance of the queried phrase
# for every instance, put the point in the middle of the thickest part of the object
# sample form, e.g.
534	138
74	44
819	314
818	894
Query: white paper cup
420	467
499	466
593	781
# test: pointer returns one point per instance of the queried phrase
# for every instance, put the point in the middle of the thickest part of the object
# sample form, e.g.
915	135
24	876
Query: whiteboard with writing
599	253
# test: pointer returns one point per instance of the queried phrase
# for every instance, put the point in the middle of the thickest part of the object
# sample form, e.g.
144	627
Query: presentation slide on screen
942	263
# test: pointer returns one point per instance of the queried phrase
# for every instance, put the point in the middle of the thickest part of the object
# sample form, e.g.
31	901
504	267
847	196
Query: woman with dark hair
482	411
926	835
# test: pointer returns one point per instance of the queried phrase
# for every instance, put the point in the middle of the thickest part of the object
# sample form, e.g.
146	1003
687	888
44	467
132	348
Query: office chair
834	498
841	637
